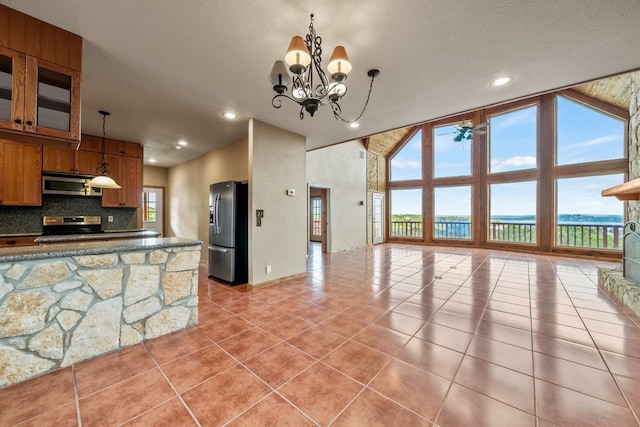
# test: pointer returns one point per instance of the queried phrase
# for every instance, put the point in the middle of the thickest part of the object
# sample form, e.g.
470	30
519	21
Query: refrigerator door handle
224	251
218	195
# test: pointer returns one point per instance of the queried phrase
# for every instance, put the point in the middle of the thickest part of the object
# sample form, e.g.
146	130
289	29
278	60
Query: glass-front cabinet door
52	102
12	73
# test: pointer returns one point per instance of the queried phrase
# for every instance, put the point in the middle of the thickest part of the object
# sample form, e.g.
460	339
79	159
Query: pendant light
103	180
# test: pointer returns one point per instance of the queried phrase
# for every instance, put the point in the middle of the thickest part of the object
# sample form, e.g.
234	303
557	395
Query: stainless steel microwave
69	186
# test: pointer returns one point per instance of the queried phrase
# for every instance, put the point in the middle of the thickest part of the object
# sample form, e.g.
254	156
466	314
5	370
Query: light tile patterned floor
390	335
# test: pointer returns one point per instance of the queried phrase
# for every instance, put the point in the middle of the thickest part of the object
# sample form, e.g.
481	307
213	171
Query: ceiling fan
465	130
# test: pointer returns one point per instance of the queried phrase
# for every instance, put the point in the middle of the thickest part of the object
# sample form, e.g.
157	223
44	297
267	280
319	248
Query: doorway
153	209
378	218
318	216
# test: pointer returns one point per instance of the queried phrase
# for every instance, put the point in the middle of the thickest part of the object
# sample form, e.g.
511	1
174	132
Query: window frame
545	174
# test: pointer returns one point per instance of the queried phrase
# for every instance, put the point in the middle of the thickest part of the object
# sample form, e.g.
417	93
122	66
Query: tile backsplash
28	219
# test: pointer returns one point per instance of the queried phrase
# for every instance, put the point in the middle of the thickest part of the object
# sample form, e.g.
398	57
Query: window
148	206
406	212
587	135
450	158
316	216
512	139
406	164
452	208
513	212
586	219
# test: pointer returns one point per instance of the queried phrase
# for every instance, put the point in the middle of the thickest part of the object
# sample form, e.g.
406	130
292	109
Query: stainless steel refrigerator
228	231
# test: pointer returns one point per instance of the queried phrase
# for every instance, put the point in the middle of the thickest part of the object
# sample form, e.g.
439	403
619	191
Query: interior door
316	219
378	218
152	209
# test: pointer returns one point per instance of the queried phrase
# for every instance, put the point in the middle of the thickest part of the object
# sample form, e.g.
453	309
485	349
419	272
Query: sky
583	135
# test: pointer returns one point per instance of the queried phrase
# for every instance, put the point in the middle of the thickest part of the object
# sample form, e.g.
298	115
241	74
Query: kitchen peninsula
61	303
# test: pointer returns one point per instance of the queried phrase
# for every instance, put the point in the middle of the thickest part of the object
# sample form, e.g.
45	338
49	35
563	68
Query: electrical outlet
110	218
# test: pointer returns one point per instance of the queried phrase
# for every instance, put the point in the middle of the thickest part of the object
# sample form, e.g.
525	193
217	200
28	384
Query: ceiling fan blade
481	125
447	133
479	132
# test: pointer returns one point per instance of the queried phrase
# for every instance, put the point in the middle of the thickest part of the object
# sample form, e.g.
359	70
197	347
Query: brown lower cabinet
8	242
20	173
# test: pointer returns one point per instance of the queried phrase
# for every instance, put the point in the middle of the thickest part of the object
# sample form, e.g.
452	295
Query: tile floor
393	335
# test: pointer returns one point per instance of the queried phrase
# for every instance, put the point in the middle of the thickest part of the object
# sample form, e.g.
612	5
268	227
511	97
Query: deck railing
452	230
520	232
601	236
597	236
406	229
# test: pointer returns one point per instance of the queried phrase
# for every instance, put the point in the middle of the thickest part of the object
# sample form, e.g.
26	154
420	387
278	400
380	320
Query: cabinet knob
18	121
29	122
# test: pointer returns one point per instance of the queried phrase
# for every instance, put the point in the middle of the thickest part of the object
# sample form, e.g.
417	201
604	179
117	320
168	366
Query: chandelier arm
277	102
339	115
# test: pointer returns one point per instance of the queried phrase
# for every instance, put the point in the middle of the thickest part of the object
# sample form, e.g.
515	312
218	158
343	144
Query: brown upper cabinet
85	160
40	77
20	173
68	160
123	148
127	172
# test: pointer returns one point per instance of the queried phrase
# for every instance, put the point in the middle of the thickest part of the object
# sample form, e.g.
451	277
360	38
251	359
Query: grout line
77	397
173	388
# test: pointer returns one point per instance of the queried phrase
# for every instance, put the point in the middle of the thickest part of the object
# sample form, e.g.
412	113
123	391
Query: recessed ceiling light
230	115
178	147
501	81
182	142
152	160
354	125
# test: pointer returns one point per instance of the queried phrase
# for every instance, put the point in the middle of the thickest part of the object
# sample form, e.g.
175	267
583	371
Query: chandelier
309	86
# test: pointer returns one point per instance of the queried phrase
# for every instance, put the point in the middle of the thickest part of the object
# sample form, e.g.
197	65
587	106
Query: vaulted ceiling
614	90
167	69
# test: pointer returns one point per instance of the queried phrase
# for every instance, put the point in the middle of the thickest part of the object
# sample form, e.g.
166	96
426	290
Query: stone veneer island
64	303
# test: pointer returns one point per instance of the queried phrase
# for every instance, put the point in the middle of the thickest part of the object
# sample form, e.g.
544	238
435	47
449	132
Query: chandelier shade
279	77
339	65
297	56
309	86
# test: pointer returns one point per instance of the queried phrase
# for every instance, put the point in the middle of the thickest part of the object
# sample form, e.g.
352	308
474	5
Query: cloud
515	162
595	141
528	115
401	163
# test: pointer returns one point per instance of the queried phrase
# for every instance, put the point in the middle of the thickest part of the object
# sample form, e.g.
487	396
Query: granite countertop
4	236
106	235
78	248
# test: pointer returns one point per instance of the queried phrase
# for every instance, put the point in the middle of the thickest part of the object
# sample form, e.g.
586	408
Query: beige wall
188	189
155	176
343	169
276	163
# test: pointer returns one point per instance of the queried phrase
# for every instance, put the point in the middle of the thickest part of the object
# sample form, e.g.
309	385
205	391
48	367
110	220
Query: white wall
341	168
276	163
